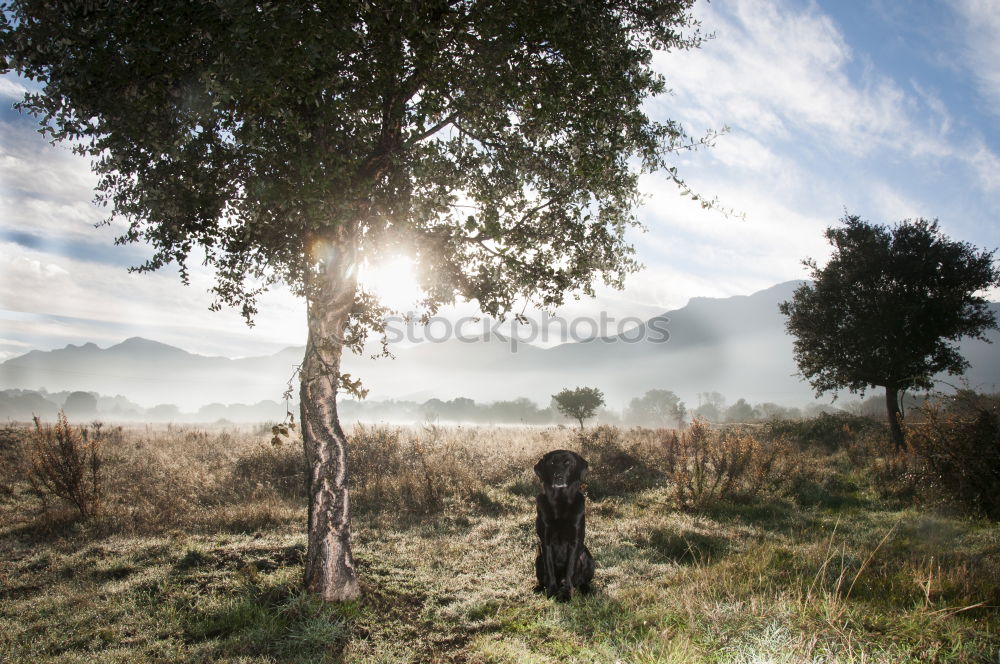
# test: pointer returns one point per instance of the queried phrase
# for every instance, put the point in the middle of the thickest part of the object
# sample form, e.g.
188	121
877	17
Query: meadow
782	542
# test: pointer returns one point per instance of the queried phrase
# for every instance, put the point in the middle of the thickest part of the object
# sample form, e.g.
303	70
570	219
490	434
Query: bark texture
329	565
892	409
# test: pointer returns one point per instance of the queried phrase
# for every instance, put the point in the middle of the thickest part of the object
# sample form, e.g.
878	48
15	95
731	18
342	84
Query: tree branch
431	130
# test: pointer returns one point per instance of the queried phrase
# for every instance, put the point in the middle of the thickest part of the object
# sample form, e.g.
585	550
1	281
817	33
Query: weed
65	462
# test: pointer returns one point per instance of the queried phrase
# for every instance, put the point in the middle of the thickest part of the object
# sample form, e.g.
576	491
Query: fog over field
736	346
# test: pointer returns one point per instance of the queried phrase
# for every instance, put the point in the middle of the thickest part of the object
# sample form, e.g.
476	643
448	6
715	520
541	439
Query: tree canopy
498	144
888	308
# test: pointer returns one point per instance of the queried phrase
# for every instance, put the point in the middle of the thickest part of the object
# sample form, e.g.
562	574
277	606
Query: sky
882	109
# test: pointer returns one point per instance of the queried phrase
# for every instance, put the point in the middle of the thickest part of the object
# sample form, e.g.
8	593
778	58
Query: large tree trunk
892	409
329	567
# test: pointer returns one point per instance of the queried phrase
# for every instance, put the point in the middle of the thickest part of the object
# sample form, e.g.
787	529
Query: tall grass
725	544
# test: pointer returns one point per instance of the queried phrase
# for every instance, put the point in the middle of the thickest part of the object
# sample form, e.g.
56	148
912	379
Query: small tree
580	404
65	462
888	309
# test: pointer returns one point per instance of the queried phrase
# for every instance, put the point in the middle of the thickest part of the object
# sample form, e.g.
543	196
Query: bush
281	469
65	462
415	474
616	468
831	432
958	455
705	465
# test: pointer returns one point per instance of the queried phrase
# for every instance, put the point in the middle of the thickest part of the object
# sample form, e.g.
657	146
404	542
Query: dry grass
787	553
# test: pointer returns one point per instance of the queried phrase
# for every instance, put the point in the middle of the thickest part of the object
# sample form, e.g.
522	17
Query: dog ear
584	467
538	472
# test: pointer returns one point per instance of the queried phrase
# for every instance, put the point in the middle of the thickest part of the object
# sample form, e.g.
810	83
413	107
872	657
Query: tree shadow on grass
599	621
658	546
47	527
281	622
685	547
777	516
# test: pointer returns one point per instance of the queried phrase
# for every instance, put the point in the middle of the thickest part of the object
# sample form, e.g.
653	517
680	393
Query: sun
394	281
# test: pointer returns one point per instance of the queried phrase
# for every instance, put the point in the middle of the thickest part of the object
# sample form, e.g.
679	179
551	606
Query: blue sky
888	110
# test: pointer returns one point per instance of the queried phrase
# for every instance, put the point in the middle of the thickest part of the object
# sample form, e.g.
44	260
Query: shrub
958	451
705	465
278	468
829	431
614	467
415	474
65	462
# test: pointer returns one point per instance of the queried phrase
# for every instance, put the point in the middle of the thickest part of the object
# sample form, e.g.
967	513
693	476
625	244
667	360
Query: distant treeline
22	405
656	408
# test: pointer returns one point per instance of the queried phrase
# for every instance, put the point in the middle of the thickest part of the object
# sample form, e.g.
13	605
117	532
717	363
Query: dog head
561	469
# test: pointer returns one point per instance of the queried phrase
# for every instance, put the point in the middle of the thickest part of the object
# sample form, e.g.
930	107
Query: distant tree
741	411
498	144
888	309
656	408
25	404
711	406
461	409
522	410
580	404
433	409
773	411
80	404
164	412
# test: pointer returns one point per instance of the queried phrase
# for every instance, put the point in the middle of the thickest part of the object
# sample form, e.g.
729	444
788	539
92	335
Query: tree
657	408
711	406
888	309
580	404
80	404
740	411
499	145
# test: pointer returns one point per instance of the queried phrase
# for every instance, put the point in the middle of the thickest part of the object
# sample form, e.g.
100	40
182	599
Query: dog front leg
551	582
566	587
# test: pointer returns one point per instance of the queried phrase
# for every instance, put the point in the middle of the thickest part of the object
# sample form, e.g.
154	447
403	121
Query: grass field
713	546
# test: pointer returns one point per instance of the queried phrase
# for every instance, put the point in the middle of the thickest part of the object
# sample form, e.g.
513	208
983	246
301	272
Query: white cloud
888	204
987	166
44	189
11	88
981	21
774	70
784	75
157	305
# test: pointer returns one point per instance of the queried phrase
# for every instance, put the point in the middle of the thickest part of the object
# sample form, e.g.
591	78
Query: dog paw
564	594
551	590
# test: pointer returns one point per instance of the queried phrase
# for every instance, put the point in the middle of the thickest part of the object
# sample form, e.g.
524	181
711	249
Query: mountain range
735	345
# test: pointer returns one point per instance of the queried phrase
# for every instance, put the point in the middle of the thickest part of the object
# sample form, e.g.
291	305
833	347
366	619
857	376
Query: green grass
779	577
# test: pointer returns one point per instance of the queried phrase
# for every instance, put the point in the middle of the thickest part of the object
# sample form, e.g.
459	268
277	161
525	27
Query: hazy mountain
735	345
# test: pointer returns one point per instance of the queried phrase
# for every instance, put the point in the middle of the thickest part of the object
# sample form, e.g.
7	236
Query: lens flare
393	281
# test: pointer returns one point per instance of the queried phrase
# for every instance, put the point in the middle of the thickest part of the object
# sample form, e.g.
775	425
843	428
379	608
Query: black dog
563	560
